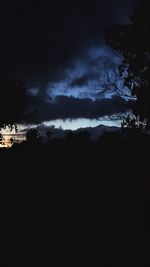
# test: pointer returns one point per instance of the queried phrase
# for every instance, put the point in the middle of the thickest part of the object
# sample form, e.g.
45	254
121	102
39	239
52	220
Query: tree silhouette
49	135
83	136
131	41
13	100
80	137
1	139
11	141
33	136
132	124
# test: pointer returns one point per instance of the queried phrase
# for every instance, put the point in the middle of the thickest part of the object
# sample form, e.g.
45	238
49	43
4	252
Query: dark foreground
80	201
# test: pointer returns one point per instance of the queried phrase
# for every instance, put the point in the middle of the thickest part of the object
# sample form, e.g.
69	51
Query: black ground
81	198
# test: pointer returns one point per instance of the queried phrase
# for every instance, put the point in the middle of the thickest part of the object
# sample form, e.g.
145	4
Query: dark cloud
40	37
94	66
57	47
68	107
94	69
83	80
86	75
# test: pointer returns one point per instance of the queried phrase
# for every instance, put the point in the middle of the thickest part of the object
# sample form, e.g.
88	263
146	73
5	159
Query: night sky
58	49
74	154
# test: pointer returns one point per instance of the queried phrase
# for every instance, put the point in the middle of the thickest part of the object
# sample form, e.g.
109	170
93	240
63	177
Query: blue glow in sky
71	124
85	76
81	123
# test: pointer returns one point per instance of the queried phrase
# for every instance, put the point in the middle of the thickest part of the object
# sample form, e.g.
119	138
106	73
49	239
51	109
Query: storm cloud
64	107
38	38
58	49
86	75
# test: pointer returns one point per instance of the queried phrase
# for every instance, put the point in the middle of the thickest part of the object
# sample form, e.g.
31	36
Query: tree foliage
132	42
1	139
33	136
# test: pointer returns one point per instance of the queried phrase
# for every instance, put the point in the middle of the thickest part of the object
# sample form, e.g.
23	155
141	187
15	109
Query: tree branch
113	86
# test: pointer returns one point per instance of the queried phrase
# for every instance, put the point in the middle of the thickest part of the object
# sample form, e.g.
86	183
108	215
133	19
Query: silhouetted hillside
94	190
